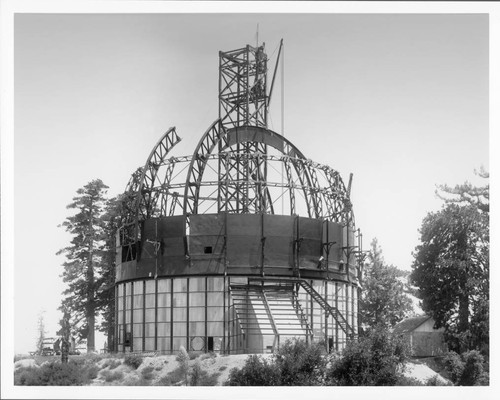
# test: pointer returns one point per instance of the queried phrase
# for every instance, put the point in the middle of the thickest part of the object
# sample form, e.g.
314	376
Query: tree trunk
91	334
90	293
463	313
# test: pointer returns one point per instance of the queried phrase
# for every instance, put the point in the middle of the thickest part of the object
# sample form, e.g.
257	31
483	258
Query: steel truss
230	170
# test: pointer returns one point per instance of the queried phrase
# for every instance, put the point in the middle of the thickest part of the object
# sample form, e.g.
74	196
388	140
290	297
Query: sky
399	100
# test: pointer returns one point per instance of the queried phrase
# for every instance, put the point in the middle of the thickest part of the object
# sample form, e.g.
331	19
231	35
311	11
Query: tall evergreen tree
451	266
41	332
384	300
83	268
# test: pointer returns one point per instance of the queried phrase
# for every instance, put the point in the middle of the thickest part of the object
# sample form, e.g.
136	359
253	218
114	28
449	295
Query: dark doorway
210	343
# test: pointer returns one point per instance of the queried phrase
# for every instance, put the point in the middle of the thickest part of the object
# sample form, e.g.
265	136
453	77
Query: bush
473	370
300	364
407	381
183	360
374	360
54	374
111	376
256	372
435	381
147	372
112	363
135	381
133	360
454	366
467	369
199	377
174	377
164	381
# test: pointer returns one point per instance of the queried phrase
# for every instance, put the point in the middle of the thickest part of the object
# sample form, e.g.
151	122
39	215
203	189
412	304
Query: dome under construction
240	245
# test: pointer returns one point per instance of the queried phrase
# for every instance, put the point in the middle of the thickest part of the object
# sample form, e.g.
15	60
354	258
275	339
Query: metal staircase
333	311
269	310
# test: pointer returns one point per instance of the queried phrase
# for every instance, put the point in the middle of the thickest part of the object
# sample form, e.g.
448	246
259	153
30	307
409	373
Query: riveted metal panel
244	251
244	224
334	235
310	234
206	224
206	238
205	246
278	244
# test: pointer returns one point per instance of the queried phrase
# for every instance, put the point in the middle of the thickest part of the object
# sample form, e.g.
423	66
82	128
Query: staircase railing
333	311
302	316
273	322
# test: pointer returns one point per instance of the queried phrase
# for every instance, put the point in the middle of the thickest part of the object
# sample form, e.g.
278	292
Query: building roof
410	324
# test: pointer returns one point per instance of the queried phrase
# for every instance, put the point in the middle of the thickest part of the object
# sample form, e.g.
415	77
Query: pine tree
83	268
41	333
384	301
451	267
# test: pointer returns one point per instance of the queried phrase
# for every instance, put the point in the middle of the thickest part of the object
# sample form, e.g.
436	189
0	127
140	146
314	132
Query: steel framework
239	166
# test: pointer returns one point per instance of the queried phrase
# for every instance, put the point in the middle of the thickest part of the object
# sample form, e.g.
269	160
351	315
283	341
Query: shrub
256	372
111	376
199	377
136	381
223	368
467	369
176	376
301	364
473	369
53	374
112	363
92	371
133	360
453	365
164	381
407	381
147	372
435	381
183	360
374	360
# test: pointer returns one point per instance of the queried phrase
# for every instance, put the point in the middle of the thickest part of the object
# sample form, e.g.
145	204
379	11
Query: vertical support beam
336	324
225	309
172	315
327	315
206	314
132	316
188	342
263	245
144	315
156	316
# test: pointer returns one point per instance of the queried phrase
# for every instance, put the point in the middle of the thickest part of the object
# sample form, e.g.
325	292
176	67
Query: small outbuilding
425	341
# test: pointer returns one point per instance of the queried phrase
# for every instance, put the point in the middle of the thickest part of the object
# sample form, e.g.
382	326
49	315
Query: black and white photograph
215	195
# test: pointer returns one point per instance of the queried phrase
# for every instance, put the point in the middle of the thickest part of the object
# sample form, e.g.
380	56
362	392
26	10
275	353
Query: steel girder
197	166
243	87
158	196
